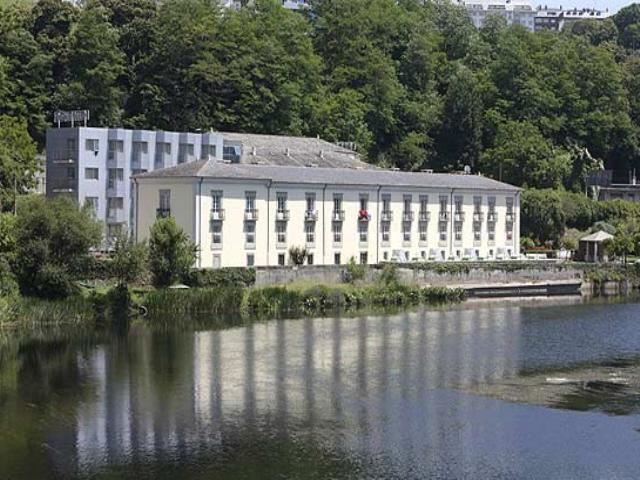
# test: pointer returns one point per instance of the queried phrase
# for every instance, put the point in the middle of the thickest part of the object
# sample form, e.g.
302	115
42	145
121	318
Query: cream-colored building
251	215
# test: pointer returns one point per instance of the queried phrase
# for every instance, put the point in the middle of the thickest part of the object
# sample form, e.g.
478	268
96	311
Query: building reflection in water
352	383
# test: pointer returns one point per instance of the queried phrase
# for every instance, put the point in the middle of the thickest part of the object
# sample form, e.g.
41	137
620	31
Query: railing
115	215
509	217
251	214
492	216
386	216
443	216
424	216
478	216
338	216
408	216
282	215
116	188
363	216
217	214
311	215
163	212
458	216
62	185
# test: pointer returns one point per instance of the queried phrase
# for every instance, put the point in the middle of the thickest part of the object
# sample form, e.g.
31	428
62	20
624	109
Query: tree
129	260
18	163
542	215
53	239
171	252
622	245
297	255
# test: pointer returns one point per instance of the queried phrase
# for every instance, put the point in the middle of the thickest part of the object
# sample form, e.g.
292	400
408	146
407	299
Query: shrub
354	271
221	277
53	282
129	260
297	255
171	253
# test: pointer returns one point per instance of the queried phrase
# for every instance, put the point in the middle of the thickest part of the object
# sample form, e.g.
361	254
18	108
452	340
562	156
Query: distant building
288	4
603	188
558	19
251	215
94	165
515	12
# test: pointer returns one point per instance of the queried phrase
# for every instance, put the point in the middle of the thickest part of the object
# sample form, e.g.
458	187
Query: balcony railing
407	216
311	215
116	215
424	216
492	216
163	212
251	215
478	216
363	216
217	214
338	216
386	216
282	215
443	216
458	216
509	217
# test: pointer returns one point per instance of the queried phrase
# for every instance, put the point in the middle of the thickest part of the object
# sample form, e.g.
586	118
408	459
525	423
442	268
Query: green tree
128	260
171	252
53	239
18	163
95	67
542	216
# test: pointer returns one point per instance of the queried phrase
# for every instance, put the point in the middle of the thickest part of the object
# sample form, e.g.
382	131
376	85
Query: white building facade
515	12
251	215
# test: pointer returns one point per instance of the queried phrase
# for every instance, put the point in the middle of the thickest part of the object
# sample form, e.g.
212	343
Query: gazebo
591	248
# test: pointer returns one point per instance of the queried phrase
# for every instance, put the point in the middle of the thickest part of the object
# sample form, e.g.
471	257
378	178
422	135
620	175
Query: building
95	165
246	215
600	186
592	247
558	19
515	12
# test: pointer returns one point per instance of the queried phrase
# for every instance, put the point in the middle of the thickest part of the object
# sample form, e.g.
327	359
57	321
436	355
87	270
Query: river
515	390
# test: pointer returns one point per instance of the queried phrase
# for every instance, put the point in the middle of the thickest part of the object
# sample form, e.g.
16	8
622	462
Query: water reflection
372	393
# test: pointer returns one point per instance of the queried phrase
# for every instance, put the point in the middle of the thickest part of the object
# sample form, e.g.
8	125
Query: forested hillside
411	82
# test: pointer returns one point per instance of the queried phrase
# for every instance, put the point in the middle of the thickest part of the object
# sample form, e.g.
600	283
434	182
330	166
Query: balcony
443	216
408	216
282	215
63	185
458	216
163	212
492	216
363	216
216	215
116	189
311	215
509	217
424	216
478	216
386	216
338	216
115	159
251	215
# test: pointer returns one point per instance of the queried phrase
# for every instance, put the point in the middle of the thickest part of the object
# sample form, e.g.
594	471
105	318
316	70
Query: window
114	175
208	151
138	149
71	173
92	203
386	203
364	258
385	256
114	205
216	234
406	201
113	148
281	232
458	231
310	199
424	206
231	153
423	254
91	173
364	202
442	231
422	232
216	200
363	231
165	200
492	231
281	201
250	233
444	205
385	228
281	259
114	230
337	203
336	259
250	201
163	152
91	145
185	152
477	204
310	259
458	204
406	231
251	260
217	261
492	209
71	145
477	231
337	232
310	232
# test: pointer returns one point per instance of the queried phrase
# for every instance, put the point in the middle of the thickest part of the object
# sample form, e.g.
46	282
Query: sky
612	5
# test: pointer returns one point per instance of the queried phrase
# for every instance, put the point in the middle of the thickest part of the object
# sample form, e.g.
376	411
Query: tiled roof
332	176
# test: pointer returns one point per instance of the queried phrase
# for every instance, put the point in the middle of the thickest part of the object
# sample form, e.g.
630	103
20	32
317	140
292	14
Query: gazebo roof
597	237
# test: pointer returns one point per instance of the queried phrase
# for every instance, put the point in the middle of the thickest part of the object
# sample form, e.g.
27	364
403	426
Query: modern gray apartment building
94	165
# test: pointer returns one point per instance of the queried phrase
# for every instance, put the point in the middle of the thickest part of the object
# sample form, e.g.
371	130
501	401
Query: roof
597	237
332	176
287	150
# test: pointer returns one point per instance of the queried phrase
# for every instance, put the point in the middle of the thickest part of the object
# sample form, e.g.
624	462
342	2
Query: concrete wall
328	274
